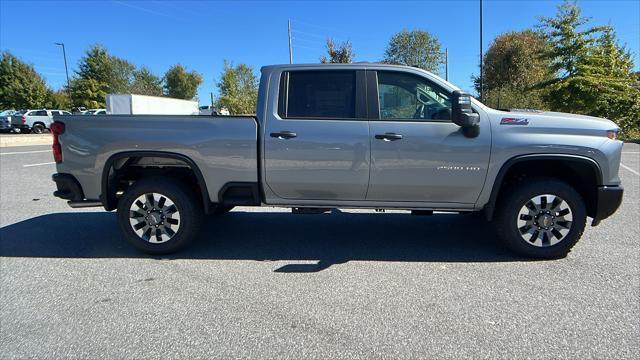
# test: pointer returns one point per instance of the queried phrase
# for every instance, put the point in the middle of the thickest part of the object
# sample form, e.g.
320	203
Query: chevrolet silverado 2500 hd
346	136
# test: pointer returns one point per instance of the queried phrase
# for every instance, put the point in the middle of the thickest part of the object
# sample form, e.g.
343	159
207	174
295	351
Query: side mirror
462	114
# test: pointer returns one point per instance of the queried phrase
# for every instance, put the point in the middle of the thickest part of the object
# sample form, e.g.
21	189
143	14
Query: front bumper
69	189
609	199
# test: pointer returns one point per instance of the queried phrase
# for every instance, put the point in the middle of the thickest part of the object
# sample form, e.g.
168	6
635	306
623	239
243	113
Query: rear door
417	153
316	143
38	116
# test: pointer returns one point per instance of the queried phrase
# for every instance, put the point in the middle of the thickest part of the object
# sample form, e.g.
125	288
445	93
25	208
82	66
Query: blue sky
200	34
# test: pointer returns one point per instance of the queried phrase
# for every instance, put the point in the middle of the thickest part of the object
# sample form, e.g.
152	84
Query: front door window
407	97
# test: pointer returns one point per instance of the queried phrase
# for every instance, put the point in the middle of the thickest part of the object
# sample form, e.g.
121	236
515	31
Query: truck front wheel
159	215
540	218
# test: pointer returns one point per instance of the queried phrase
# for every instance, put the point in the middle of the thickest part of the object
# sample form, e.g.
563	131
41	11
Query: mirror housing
461	112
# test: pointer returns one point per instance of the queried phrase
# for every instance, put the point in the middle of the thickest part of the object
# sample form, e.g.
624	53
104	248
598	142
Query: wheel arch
571	170
108	190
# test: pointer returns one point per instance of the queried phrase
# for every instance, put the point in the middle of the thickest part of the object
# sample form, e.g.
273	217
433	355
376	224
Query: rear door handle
389	136
283	135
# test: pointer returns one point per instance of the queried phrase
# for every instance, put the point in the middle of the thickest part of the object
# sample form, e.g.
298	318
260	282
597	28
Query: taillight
57	128
24	119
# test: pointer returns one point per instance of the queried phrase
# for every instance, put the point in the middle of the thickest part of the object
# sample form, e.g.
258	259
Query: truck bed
224	148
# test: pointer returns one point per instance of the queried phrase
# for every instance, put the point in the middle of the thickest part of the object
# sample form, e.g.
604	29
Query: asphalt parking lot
265	283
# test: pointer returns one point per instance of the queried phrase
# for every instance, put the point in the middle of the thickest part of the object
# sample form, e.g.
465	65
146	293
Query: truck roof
356	65
268	69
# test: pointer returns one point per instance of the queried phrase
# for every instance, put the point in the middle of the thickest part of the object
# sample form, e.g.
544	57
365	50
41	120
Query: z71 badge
514	121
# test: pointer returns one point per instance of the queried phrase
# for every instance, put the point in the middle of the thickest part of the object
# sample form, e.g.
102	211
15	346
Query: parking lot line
47	163
630	169
25	152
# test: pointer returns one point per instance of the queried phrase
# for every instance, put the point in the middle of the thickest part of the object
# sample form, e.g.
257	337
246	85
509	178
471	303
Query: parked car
347	136
95	112
212	110
208	110
5	120
35	121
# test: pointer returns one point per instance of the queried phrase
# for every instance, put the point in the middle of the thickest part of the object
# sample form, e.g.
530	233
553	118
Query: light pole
66	69
481	83
290	48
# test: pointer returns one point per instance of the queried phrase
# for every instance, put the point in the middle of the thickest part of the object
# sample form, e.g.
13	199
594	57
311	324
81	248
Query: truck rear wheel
541	218
159	215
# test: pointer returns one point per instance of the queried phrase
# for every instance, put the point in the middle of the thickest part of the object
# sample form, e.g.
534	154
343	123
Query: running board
84	204
309	211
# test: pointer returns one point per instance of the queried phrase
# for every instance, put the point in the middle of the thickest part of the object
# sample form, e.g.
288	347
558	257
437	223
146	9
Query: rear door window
39	113
318	95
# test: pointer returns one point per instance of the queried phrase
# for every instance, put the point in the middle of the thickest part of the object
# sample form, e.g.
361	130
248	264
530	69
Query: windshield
7	112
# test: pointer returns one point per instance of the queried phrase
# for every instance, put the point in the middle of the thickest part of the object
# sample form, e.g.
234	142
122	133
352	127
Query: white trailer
132	104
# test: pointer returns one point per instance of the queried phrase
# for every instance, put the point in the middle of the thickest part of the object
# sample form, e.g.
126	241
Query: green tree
100	74
181	84
416	48
593	73
122	75
238	89
59	100
339	53
512	67
146	83
21	86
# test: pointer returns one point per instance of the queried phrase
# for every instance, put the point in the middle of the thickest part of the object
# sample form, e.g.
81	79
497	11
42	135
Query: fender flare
109	203
489	208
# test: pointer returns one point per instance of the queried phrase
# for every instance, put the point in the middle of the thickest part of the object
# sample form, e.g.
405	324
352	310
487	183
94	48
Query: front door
316	144
417	153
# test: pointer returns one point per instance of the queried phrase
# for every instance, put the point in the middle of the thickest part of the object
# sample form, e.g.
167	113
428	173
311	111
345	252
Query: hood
558	119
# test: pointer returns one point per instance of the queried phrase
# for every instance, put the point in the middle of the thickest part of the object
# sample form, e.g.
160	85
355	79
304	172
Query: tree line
99	73
563	64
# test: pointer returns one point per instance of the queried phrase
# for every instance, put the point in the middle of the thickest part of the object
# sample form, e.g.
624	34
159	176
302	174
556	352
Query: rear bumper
609	199
69	189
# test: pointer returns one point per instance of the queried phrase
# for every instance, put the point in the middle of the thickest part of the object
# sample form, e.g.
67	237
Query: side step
309	211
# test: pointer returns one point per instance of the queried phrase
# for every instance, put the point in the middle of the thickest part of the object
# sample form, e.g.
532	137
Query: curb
25	140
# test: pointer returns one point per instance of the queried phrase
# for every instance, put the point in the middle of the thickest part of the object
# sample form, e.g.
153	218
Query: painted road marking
47	163
630	169
25	152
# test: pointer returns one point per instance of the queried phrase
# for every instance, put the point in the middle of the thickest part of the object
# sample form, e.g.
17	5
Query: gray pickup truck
346	136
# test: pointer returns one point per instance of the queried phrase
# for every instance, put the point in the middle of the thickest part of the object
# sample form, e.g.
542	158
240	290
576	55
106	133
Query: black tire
189	209
38	128
222	209
509	211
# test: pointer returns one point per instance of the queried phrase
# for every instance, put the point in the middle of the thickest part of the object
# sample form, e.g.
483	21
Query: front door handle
283	135
389	136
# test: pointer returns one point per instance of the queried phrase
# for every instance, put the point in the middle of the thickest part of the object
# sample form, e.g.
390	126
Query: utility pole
446	64
211	93
481	83
66	69
290	49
